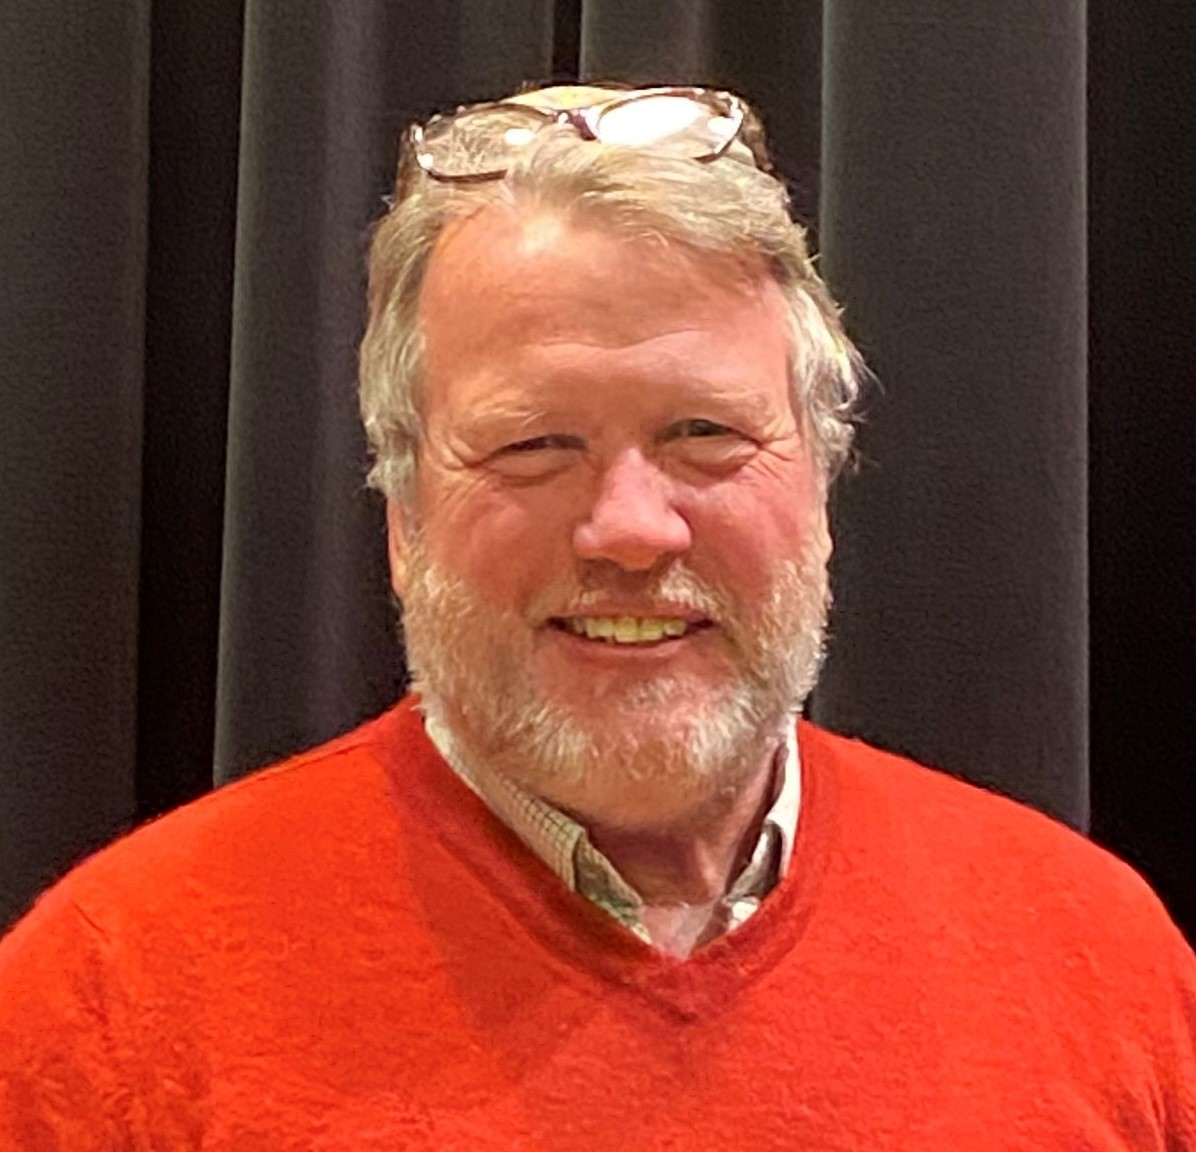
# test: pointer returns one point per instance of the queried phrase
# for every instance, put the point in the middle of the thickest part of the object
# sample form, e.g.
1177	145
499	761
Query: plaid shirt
565	846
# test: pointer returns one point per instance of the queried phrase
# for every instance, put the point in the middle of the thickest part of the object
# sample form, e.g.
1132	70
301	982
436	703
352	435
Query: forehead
542	258
507	295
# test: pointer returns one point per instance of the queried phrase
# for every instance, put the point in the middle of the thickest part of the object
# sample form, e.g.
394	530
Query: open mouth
628	630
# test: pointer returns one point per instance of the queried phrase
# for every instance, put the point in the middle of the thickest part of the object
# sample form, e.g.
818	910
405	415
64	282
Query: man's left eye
709	446
701	428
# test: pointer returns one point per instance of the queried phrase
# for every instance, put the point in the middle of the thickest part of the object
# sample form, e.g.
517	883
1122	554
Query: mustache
677	588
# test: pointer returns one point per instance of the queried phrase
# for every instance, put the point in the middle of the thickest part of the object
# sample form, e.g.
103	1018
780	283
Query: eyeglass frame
584	119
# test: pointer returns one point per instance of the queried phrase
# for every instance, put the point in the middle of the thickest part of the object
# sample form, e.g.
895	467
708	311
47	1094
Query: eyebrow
502	422
511	419
699	394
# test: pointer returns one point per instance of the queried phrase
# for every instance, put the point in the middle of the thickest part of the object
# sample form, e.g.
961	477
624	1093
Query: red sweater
349	952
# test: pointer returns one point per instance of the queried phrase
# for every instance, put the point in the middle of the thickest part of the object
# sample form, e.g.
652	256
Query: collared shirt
565	846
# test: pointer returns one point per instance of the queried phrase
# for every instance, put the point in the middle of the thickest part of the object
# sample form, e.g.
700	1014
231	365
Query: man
595	887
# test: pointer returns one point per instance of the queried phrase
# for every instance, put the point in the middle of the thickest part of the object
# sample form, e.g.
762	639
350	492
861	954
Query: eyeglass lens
674	124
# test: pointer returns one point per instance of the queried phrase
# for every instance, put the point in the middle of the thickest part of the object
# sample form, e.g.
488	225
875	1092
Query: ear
398	547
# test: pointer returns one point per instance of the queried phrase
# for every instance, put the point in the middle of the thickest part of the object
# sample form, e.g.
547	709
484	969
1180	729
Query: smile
628	629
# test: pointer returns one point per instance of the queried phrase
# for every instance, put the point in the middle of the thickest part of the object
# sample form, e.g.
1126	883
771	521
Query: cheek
505	544
753	524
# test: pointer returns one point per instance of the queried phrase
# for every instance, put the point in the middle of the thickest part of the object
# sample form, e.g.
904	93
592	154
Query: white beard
639	753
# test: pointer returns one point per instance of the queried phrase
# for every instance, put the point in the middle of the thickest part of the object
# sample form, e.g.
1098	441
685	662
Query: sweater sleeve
63	1083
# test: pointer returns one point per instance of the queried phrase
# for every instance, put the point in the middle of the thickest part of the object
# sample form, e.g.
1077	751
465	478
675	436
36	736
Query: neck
692	861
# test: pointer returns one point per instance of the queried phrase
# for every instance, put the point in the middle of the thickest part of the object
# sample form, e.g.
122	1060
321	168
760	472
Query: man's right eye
542	443
537	457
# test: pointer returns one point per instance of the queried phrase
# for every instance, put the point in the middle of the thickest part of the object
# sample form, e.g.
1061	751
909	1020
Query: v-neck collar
564	845
592	945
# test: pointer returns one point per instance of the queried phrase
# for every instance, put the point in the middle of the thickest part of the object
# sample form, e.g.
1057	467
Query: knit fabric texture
349	951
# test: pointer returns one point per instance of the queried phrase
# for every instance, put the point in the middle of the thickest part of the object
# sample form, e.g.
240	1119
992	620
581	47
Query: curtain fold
194	112
73	162
1142	405
954	226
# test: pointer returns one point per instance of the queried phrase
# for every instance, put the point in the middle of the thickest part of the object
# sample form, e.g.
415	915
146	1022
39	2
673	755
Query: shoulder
999	867
978	900
946	817
274	831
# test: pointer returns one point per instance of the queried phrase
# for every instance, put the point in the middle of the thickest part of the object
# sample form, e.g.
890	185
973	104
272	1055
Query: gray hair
726	207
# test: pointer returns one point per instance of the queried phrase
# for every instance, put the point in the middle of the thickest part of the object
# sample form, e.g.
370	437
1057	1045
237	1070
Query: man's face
610	446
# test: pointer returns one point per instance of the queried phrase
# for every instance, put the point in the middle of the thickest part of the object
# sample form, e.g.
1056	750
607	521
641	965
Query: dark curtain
192	574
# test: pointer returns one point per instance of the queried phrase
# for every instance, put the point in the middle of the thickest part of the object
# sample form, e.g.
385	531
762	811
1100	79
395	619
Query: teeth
626	629
651	630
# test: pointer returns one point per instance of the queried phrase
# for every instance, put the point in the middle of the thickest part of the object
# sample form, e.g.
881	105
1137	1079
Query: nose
633	522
